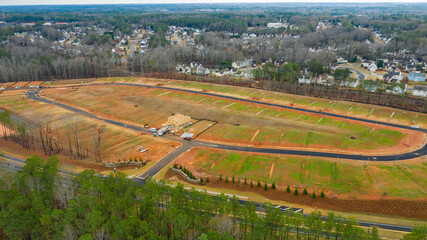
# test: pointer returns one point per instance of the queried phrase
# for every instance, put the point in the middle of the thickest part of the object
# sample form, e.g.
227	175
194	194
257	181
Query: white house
420	91
200	70
277	25
372	67
396	90
341	60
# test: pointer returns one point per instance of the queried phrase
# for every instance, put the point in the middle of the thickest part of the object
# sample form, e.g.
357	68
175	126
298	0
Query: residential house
397	89
200	70
372	67
341	60
420	91
370	86
393	77
411	68
418	77
243	64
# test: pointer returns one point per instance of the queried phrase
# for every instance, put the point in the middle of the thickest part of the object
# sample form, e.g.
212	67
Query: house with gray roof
418	77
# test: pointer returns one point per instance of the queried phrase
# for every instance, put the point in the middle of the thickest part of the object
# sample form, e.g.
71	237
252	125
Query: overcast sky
55	2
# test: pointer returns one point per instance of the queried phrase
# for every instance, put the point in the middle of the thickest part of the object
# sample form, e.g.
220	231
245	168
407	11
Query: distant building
200	70
28	24
418	77
372	67
393	77
420	91
277	25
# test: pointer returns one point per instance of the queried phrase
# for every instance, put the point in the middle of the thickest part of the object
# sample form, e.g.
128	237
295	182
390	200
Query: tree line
36	203
71	137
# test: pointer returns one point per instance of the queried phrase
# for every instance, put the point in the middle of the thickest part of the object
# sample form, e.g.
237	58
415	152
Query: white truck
163	130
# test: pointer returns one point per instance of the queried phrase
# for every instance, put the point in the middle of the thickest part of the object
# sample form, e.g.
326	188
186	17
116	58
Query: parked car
153	130
415	126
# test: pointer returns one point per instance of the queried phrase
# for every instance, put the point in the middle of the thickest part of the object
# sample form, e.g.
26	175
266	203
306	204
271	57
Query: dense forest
38	203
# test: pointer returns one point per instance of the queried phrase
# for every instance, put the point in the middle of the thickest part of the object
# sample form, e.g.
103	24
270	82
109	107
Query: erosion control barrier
121	164
180	172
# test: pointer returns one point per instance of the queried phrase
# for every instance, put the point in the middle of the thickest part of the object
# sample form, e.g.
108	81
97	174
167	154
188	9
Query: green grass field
403	180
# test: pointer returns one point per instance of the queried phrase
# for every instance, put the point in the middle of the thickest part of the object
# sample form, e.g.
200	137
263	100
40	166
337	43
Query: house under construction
178	122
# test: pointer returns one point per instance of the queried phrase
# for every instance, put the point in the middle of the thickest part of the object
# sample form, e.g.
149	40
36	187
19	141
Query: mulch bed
390	207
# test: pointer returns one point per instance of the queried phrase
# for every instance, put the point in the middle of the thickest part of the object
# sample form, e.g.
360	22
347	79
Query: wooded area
69	136
36	203
384	99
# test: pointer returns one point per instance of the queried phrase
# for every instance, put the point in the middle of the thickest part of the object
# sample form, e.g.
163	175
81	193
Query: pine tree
305	191
259	184
322	194
207	180
130	159
313	195
226	179
265	187
273	186
288	189
201	180
232	180
220	177
245	182
296	191
252	185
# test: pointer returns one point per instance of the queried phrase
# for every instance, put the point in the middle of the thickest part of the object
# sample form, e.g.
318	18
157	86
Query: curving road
195	143
15	164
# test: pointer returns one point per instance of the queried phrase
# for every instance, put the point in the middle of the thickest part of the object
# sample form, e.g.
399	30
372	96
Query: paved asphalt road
187	145
15	164
396	157
360	75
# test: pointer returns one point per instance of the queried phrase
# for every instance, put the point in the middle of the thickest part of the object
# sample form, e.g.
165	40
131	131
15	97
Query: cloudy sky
45	2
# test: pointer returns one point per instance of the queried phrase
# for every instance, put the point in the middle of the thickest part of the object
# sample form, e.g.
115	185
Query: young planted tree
313	195
265	187
296	191
305	191
259	184
273	186
322	194
288	189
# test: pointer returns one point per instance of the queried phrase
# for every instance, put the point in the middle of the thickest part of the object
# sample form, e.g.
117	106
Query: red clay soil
387	207
412	140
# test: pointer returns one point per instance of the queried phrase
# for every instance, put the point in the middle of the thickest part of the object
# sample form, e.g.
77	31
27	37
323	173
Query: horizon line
221	2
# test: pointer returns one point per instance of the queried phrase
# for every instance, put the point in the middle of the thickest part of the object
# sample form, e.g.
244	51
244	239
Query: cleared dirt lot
116	144
239	122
